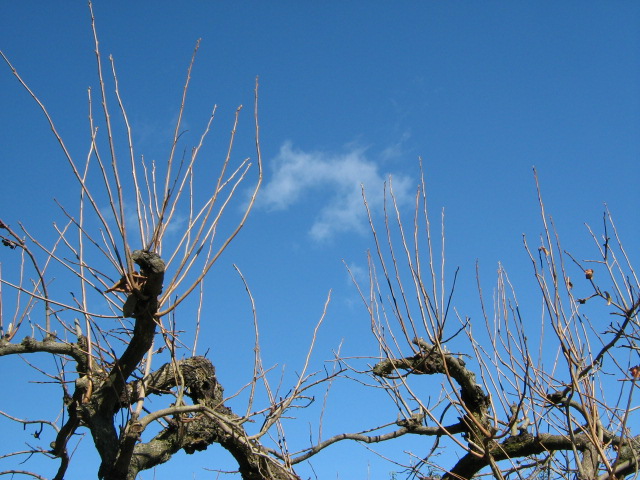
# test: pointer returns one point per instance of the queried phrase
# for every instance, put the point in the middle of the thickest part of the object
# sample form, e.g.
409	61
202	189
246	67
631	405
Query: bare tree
130	273
547	394
526	395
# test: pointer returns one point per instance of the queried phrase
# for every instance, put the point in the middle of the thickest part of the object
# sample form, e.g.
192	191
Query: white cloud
339	176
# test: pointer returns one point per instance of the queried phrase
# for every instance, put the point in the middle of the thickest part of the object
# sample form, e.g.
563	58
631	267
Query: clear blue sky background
349	92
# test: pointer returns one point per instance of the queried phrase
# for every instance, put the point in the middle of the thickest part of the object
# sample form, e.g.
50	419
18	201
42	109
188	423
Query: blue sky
350	92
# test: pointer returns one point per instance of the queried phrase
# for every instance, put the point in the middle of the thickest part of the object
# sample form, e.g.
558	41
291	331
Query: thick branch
49	345
527	445
106	401
208	421
431	360
144	310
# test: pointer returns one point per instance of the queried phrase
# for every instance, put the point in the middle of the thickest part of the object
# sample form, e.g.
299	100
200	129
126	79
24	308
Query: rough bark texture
196	420
476	426
432	360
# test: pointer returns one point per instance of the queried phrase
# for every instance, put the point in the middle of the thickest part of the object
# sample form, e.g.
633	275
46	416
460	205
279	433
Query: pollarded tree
550	398
547	394
117	338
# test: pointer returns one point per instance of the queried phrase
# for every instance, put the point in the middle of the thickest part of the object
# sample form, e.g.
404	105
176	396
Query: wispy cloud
339	177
